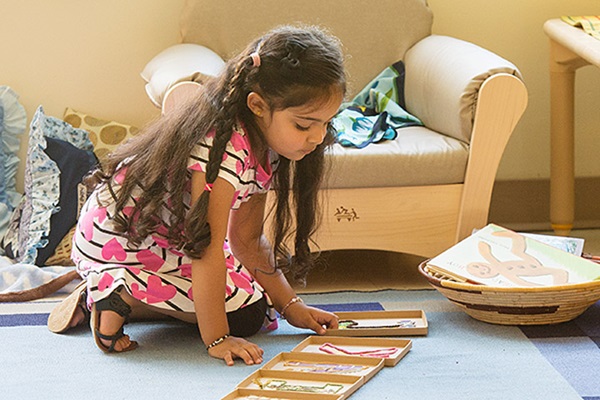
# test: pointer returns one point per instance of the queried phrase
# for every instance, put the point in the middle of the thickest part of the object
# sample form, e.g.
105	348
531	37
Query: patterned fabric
155	272
238	167
42	187
105	135
13	121
590	23
376	112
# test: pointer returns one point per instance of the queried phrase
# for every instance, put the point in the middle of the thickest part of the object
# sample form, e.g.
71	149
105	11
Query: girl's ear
257	104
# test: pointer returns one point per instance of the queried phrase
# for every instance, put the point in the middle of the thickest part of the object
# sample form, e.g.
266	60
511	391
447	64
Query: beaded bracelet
289	303
217	341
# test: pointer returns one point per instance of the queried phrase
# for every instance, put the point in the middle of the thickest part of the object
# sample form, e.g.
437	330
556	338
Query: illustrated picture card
380	323
325	364
497	256
288	381
390	350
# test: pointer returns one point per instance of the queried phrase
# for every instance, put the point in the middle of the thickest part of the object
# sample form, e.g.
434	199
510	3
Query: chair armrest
443	77
178	63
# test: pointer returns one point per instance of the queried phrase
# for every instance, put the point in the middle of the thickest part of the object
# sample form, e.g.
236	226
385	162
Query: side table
570	48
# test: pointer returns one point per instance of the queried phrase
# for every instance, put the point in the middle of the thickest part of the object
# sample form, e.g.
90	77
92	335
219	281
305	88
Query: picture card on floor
380	323
325	364
390	350
288	381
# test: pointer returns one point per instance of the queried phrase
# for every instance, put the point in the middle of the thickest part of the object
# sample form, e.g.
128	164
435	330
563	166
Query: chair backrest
374	34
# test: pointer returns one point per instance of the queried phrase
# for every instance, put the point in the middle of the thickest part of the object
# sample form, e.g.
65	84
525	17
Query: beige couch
419	193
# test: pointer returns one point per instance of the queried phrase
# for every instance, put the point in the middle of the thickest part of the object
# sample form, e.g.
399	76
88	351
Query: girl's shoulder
236	158
239	142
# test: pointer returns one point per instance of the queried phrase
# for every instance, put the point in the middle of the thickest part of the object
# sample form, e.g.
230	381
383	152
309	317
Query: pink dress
154	272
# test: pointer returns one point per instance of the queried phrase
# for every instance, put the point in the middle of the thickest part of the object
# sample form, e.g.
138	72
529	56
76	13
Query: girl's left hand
302	316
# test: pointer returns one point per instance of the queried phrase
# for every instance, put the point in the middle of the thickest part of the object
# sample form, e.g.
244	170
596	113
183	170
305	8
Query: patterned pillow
58	157
105	135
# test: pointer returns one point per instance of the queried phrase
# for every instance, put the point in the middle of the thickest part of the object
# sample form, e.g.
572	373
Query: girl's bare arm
254	250
209	277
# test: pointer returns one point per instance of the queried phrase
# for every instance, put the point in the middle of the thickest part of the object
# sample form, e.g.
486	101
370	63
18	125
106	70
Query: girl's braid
197	228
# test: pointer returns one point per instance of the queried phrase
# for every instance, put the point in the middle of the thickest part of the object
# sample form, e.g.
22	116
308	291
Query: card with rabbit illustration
497	256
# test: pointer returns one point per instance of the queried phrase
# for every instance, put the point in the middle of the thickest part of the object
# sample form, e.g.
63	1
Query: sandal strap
115	303
113	338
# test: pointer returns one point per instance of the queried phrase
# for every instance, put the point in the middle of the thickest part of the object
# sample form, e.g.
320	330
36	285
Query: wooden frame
245	393
370	366
419	324
312	343
347	384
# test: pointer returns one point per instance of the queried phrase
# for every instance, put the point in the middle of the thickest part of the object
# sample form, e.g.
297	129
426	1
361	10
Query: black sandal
114	303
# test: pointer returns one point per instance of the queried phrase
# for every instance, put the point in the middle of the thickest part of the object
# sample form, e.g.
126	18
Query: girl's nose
317	136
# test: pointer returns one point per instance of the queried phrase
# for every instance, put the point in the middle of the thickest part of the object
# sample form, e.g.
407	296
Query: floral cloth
30	224
155	272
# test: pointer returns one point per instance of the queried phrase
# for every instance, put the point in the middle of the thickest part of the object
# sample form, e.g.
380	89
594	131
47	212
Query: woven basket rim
447	283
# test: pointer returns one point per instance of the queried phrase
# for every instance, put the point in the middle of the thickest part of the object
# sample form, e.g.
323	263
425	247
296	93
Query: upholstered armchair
419	193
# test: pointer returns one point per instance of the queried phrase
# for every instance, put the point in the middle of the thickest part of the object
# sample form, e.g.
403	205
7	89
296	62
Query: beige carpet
364	270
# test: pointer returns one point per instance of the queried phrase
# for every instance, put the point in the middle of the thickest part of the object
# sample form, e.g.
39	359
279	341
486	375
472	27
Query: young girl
175	223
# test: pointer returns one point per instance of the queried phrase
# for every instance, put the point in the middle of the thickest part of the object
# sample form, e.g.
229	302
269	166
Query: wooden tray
244	393
283	382
325	364
381	323
357	344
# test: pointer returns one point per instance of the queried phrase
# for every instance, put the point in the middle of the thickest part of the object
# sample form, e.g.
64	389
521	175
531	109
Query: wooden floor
364	270
367	270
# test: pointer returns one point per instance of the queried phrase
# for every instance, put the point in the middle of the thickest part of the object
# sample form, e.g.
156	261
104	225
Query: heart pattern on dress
151	261
241	282
155	292
114	249
87	221
106	281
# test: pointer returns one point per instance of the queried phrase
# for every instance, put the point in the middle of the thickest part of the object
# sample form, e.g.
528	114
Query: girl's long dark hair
299	65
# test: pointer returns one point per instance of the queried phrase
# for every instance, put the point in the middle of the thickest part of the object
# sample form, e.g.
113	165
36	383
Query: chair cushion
226	27
418	156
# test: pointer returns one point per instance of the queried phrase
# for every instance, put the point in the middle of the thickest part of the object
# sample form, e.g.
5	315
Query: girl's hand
235	347
302	316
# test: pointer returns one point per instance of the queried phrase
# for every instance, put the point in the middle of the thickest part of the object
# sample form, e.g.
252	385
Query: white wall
87	55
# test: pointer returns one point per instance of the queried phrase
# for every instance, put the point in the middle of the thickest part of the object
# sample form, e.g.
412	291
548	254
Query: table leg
562	163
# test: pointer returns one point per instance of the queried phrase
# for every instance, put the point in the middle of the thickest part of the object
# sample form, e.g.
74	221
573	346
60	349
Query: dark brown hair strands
299	65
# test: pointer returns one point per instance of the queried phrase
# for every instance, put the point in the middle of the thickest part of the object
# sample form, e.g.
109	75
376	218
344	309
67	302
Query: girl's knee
247	321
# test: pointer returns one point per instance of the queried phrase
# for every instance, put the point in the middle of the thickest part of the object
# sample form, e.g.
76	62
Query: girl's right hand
235	347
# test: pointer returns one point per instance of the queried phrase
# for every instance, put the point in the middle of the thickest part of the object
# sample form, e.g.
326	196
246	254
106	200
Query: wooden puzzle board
355	345
325	364
333	366
288	381
380	323
257	394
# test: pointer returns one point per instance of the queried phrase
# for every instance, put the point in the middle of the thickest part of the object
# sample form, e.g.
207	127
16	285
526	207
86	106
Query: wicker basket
62	253
516	306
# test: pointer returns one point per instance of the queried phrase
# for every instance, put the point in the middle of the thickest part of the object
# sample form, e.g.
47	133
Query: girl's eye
302	128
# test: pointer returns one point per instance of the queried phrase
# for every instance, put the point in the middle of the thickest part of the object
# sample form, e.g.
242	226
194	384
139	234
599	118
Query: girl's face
295	132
